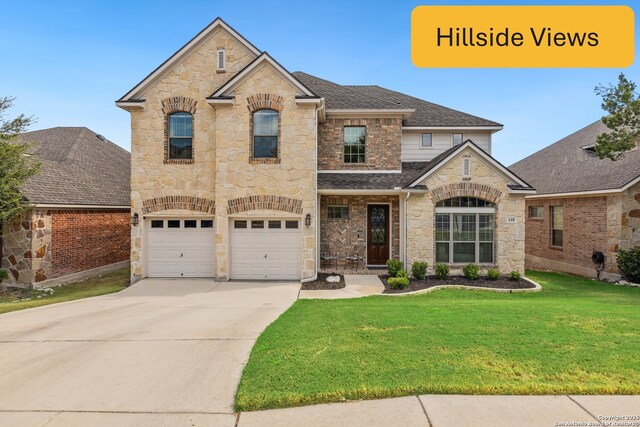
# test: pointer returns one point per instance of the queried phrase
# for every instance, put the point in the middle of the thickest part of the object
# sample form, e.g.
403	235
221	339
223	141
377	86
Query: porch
358	233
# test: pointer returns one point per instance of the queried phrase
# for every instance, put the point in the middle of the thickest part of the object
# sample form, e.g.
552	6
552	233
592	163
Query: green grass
13	299
576	336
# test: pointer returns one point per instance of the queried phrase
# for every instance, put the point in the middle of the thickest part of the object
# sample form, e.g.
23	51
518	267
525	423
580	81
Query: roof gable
443	158
134	94
264	58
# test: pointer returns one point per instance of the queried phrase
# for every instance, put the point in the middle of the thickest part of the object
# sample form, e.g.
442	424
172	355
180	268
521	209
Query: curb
537	288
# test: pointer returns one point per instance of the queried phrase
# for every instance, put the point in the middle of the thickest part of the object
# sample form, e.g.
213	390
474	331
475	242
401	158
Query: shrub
471	271
514	275
398	282
419	269
493	274
629	264
393	266
3	275
402	273
442	270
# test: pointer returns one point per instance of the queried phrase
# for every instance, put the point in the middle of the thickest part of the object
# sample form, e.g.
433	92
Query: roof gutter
63	206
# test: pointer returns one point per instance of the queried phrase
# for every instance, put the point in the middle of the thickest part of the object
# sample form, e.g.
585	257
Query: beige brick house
583	205
243	170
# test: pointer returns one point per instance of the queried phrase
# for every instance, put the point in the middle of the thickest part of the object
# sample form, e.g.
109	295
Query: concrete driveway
162	352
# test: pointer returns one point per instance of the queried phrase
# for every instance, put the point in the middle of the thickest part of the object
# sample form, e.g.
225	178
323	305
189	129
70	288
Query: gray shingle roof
376	97
374	180
78	168
565	167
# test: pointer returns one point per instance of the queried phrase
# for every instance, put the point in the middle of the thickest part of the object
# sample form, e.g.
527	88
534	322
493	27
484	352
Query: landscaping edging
537	288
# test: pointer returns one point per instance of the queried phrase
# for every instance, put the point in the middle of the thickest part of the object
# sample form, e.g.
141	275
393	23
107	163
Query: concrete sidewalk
454	411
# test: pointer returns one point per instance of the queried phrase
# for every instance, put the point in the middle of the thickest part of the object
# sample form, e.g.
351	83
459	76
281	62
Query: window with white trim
456	139
557	226
426	141
221	60
465	228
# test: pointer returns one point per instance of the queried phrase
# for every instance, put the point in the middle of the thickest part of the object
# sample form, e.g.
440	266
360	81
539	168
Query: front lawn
576	336
17	299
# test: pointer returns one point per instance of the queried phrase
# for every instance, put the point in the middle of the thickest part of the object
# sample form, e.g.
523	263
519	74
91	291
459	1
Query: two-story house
244	170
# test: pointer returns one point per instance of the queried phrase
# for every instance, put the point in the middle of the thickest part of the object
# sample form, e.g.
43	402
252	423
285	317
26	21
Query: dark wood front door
377	234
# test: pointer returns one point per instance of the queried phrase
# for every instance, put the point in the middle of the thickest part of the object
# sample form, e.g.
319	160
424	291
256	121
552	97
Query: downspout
406	228
317	215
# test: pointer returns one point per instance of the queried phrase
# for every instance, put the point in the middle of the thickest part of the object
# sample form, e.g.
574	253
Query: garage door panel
265	254
180	252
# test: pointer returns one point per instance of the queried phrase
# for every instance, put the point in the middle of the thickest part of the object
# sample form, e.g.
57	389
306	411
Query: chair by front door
377	234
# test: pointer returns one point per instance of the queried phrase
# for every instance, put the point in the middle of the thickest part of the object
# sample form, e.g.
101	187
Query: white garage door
180	247
266	249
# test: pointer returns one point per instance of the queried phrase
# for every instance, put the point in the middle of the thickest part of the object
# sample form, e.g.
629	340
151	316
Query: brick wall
382	144
86	239
585	230
348	236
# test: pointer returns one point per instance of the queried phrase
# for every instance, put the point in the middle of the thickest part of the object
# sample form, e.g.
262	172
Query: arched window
265	134
465	228
180	136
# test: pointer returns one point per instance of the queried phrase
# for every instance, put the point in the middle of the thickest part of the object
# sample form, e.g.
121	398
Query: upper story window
456	138
354	144
221	60
265	134
466	167
180	136
427	140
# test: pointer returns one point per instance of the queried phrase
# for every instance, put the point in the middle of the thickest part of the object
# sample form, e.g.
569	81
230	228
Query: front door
377	234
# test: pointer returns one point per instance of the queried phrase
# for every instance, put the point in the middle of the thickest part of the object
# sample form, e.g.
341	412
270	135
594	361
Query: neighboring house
80	221
243	170
583	204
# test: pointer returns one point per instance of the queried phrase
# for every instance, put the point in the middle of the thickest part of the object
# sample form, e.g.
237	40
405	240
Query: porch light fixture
307	220
134	219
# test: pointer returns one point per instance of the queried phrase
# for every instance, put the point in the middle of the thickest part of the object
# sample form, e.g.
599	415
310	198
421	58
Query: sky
66	62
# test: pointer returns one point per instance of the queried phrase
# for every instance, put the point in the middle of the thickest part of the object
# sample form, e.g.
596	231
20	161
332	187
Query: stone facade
382	144
348	236
222	170
487	183
48	244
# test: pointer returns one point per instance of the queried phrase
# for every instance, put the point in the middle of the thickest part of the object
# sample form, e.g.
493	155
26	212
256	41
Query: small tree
16	166
623	105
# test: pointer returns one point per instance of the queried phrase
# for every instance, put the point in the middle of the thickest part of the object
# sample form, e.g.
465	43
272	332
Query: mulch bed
321	283
432	281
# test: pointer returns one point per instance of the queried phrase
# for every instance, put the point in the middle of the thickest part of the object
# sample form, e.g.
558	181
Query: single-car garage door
180	247
266	249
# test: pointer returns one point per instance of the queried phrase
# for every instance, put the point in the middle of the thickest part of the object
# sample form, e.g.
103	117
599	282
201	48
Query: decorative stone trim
178	103
274	203
466	189
536	288
173	105
265	101
191	203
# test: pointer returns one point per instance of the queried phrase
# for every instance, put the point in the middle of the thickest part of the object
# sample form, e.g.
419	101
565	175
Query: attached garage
266	249
180	247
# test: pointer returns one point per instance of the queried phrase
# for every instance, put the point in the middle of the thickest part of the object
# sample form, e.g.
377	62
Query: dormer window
221	60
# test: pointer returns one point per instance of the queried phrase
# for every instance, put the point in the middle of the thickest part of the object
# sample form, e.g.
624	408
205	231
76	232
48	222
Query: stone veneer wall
382	143
486	182
349	236
584	231
292	179
86	239
26	250
191	81
623	223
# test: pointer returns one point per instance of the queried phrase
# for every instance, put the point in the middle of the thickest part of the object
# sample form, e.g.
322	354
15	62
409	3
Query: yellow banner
522	36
